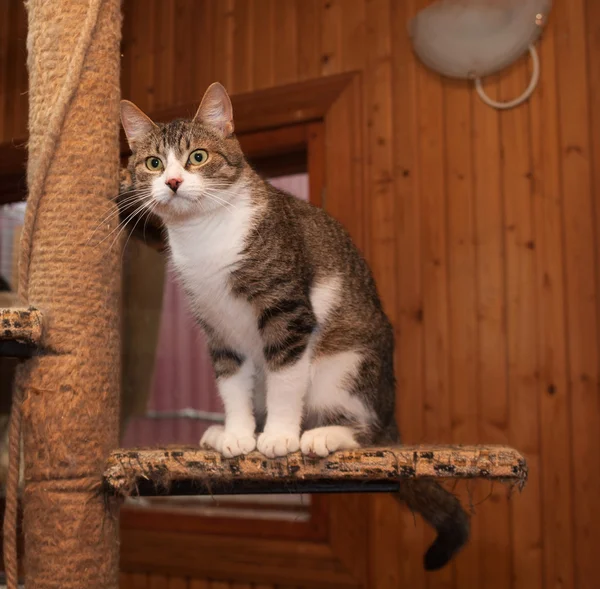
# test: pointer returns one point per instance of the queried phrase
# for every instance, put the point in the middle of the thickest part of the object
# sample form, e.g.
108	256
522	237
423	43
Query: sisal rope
37	176
11	563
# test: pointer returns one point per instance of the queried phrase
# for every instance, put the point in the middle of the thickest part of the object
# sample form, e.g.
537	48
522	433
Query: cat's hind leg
322	441
339	416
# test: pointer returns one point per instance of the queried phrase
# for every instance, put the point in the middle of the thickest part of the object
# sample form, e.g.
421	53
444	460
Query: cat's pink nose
174	183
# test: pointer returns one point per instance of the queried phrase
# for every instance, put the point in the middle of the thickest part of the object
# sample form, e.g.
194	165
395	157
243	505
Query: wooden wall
482	233
140	581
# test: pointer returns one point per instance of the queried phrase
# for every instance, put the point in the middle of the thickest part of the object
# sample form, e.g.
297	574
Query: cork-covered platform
20	331
190	471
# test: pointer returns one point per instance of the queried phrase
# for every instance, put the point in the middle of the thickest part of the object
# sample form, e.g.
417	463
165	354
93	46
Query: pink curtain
183	376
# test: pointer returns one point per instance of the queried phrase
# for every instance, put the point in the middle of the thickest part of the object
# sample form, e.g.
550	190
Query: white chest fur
205	251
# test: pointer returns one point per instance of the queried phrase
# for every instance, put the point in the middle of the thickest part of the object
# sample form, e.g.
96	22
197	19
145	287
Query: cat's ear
135	122
215	110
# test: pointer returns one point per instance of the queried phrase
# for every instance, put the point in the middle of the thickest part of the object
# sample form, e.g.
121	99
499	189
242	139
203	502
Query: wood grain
553	386
581	257
522	326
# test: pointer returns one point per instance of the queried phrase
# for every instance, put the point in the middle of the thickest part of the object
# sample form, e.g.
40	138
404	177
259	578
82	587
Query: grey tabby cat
302	349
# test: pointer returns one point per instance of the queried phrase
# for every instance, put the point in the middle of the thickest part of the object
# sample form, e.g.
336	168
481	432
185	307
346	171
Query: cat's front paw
277	444
229	444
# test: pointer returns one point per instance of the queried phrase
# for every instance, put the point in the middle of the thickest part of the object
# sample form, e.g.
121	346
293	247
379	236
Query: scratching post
71	392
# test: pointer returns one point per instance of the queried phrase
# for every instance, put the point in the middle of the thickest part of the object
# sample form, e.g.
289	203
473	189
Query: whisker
123	223
114	212
220	202
147	217
219	199
149	208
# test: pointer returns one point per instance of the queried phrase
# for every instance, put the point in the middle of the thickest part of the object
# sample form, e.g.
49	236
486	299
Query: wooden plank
493	513
263	44
330	17
130	580
198	584
285	44
176	520
156	581
5	90
354	44
380	205
581	253
317	172
553	387
592	29
522	327
164	53
202	74
274	107
243	560
276	141
408	543
221	36
349	534
19	113
187	60
141	85
124	581
462	295
11	55
309	38
127	48
344	198
243	46
177	583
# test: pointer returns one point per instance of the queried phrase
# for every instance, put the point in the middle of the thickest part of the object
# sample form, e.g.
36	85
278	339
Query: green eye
198	157
154	164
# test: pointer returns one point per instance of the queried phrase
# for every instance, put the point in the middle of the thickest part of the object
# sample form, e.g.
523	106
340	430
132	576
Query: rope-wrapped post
69	271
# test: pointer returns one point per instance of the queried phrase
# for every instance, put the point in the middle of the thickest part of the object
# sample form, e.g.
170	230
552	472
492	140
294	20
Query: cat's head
186	168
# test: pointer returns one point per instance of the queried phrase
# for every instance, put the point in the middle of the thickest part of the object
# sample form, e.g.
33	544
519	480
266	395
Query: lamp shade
475	38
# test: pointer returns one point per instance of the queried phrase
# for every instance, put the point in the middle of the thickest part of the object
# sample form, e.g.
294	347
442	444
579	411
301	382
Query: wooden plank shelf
189	471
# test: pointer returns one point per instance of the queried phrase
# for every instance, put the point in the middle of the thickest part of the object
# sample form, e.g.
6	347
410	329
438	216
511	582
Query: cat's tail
444	512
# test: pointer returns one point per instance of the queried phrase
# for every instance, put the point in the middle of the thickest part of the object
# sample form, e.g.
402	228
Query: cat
302	349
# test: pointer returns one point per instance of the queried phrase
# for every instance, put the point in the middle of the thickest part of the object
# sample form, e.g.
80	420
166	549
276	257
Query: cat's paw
229	444
321	441
277	444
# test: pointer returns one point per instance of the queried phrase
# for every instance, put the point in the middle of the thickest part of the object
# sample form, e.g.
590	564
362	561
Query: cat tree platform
190	471
20	331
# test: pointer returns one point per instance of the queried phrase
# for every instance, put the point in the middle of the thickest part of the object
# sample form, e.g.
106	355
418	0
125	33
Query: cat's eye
154	164
198	157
